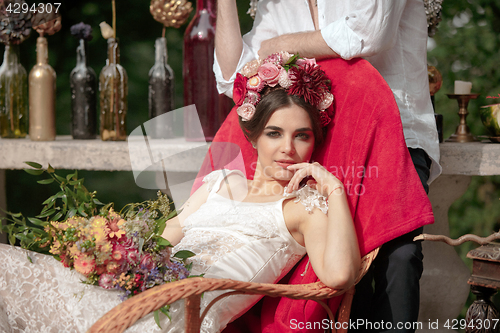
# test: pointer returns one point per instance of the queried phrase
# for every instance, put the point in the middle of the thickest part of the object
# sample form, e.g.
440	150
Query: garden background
466	47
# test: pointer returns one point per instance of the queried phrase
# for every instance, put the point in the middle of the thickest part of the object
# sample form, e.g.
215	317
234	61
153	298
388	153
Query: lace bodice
243	241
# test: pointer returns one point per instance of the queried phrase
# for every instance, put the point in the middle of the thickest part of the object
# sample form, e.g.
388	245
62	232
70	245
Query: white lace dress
242	241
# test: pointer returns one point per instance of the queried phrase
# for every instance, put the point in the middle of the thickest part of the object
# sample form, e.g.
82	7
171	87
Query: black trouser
394	300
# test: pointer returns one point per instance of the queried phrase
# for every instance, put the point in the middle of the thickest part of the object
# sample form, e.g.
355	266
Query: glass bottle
13	95
42	95
113	96
83	83
161	93
199	80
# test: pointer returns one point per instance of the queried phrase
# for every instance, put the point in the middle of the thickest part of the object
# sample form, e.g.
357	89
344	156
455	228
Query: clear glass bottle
161	92
113	91
83	83
199	80
42	95
13	95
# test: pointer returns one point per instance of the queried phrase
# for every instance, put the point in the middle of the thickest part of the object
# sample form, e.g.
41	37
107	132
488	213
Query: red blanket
365	149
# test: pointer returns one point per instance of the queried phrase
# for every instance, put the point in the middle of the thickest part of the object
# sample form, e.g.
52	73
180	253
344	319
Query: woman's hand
323	180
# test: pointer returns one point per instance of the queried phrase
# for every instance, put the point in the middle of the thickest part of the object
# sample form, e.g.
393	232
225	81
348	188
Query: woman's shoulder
217	176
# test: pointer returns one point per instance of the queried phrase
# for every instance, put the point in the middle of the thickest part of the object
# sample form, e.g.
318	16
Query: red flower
65	259
239	89
309	82
324	118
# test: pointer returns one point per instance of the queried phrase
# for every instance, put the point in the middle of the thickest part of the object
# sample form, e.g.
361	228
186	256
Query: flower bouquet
122	250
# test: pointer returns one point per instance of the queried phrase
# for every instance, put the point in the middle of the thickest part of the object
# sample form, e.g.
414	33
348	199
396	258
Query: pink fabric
366	150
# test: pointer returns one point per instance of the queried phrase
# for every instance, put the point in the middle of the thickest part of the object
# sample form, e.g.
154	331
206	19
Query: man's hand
308	44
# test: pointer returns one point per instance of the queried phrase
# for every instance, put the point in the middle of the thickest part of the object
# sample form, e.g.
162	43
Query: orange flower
112	267
114	225
85	264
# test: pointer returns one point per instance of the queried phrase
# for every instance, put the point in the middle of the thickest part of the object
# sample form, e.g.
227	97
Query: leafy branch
73	199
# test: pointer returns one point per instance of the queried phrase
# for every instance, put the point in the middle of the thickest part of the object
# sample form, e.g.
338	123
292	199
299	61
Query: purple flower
82	31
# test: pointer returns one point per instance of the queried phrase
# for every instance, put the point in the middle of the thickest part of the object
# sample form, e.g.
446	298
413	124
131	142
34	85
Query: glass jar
113	91
83	83
199	80
13	95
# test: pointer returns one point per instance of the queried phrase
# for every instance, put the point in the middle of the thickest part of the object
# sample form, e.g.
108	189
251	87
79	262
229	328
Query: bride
240	229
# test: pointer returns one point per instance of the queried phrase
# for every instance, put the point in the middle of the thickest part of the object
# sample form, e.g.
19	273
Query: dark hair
272	100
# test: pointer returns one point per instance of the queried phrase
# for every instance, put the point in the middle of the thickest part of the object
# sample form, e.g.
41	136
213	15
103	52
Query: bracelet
336	188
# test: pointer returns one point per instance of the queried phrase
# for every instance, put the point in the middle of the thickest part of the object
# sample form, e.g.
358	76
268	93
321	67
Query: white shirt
390	34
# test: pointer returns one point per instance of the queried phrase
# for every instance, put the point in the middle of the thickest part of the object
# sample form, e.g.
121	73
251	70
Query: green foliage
467	48
72	199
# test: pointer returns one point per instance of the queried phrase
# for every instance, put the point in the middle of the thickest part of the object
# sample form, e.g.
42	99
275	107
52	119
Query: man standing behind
392	36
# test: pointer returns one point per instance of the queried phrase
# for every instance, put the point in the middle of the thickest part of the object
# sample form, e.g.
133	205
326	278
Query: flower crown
298	76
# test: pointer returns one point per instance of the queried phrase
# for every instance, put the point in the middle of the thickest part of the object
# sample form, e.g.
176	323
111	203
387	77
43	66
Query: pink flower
106	281
255	83
269	73
305	61
275	58
253	97
147	262
119	253
285	56
251	68
239	89
326	101
246	111
284	79
127	243
133	257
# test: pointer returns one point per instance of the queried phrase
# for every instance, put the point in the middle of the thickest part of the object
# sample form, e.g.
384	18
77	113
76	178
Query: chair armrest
128	312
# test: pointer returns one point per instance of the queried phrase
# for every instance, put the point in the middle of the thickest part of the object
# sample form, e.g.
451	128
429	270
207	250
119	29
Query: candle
462	87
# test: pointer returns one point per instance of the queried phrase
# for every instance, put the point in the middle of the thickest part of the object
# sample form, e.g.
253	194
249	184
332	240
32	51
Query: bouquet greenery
122	250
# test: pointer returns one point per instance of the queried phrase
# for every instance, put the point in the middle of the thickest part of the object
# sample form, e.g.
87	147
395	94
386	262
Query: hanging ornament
170	13
15	26
433	13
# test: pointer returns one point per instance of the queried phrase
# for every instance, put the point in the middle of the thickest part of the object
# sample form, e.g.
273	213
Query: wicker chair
127	313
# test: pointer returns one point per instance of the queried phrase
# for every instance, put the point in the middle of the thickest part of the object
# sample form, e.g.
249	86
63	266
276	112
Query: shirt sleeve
370	27
263	29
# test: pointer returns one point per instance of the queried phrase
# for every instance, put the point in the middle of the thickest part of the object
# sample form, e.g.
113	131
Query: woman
245	230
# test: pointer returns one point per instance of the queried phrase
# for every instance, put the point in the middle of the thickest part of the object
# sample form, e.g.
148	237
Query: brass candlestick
462	134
